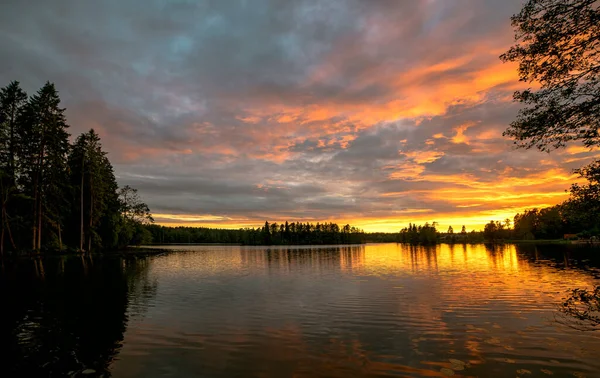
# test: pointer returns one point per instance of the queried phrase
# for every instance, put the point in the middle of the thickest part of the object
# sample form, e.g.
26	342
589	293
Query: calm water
351	311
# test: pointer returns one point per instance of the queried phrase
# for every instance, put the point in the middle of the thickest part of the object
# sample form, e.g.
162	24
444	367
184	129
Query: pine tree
43	159
266	234
94	190
12	100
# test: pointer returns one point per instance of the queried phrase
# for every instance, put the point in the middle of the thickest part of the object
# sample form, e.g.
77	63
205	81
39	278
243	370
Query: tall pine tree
12	101
94	188
44	141
48	186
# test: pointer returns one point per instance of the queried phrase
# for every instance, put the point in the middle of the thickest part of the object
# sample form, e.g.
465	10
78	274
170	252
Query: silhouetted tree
496	230
526	225
94	189
12	101
266	234
52	192
558	46
43	158
583	206
413	234
135	215
269	234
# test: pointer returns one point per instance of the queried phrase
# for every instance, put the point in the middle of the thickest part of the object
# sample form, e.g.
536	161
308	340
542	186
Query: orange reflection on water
466	258
361	310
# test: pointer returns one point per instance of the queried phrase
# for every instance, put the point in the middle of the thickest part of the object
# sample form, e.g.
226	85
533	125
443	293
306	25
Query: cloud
230	113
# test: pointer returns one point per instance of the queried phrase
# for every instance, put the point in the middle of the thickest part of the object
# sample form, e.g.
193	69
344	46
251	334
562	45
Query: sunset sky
230	113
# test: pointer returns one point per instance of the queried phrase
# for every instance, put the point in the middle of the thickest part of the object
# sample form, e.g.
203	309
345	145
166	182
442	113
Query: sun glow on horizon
472	204
393	113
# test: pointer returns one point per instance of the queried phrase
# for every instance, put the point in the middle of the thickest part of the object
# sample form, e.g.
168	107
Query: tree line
57	195
557	47
429	234
577	217
288	233
298	233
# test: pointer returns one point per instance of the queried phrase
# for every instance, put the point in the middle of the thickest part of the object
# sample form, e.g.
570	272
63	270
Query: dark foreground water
351	311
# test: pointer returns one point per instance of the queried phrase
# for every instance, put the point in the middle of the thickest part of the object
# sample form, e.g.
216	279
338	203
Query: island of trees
57	195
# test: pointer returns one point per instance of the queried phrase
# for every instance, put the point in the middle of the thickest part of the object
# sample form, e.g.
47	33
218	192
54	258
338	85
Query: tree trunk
90	221
40	268
13	178
39	235
2	236
81	235
34	216
4	220
37	201
59	238
11	148
10	237
40	191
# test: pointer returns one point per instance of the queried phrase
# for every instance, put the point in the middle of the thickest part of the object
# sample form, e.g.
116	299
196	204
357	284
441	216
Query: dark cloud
245	110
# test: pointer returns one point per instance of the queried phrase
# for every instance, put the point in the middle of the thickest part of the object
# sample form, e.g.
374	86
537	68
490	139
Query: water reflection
66	315
360	311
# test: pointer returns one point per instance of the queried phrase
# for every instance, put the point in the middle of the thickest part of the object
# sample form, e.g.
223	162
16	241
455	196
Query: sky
228	113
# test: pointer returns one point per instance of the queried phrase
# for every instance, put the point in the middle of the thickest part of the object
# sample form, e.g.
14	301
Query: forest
291	233
57	195
578	217
287	233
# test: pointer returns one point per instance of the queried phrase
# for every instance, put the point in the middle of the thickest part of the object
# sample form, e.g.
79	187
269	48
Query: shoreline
160	249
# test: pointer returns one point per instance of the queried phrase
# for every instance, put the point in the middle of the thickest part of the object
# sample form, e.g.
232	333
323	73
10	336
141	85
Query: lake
340	311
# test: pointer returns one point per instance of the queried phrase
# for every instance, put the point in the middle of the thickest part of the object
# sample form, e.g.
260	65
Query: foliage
428	234
55	195
558	46
582	209
548	223
94	193
382	237
496	230
413	234
133	209
12	102
293	233
579	214
44	145
134	215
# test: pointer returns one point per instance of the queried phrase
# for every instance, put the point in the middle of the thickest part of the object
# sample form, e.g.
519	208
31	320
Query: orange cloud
356	88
